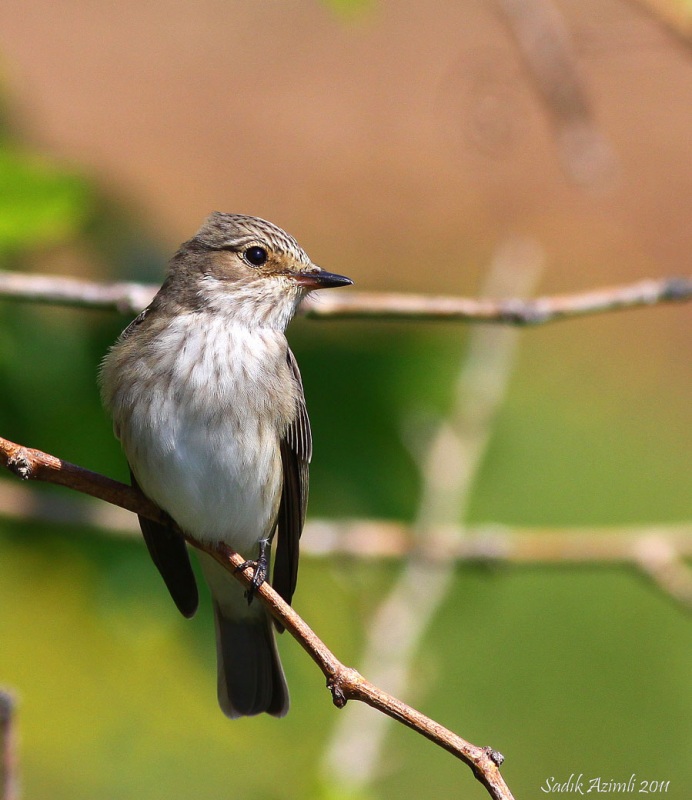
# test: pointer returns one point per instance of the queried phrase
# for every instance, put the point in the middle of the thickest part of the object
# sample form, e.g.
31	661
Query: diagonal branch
448	468
131	298
344	683
547	48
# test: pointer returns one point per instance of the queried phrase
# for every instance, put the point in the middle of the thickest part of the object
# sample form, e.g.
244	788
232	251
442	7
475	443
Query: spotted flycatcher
208	403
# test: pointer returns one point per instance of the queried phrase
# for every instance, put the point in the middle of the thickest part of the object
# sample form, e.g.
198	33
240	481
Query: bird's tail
250	677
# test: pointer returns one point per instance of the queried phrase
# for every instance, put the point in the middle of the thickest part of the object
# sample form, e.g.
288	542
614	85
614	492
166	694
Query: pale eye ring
256	255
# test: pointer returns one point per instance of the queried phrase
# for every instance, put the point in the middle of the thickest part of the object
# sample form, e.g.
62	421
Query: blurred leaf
40	203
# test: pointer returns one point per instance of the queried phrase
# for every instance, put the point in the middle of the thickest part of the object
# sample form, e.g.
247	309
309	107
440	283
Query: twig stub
19	464
494	755
335	686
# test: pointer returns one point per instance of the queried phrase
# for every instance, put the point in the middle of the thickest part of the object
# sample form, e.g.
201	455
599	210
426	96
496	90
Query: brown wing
296	452
168	551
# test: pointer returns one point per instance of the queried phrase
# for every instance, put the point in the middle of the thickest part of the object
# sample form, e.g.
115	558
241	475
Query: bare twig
344	683
127	298
638	546
8	764
29	464
386	306
448	468
131	298
676	18
546	47
661	561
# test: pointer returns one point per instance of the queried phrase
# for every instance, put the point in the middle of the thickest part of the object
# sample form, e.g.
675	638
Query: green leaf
40	203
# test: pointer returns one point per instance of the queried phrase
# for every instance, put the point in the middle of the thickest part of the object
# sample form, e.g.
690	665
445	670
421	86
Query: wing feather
296	452
168	551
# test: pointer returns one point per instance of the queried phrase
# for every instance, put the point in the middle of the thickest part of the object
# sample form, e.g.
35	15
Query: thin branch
545	44
131	298
662	562
127	298
448	468
344	683
492	543
8	762
391	306
29	464
675	18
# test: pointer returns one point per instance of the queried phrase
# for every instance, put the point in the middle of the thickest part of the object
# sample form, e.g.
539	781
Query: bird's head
249	268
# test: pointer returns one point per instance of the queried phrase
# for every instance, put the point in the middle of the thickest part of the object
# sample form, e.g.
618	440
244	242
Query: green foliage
40	203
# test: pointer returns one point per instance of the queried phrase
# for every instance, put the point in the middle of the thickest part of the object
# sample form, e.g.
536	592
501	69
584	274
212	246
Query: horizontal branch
344	683
492	543
649	548
126	298
390	306
131	298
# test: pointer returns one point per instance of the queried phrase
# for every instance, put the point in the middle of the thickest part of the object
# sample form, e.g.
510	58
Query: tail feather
250	677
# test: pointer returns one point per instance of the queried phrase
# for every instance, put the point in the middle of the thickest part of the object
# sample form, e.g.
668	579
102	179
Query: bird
207	401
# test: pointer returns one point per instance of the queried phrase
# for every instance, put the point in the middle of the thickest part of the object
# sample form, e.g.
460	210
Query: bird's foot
260	568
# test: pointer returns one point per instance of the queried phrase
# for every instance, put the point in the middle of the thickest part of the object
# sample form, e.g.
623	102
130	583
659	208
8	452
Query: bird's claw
260	568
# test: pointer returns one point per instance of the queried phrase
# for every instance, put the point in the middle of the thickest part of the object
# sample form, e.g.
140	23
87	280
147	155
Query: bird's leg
260	567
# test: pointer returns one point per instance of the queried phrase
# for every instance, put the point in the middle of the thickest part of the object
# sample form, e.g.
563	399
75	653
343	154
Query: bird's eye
256	256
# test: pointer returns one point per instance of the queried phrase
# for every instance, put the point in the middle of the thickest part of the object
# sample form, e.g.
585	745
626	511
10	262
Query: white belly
214	483
204	442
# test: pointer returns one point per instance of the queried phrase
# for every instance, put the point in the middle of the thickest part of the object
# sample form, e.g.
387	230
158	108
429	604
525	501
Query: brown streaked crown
222	231
220	249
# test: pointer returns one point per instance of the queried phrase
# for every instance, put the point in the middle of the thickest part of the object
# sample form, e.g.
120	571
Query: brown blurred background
405	140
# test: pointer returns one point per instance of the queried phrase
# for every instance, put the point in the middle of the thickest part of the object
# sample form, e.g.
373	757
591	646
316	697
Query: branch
663	563
549	54
647	548
8	765
343	682
127	298
538	311
675	18
448	466
131	298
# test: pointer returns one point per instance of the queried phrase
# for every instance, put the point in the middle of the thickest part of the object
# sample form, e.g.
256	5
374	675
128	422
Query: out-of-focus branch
650	548
343	682
131	298
8	762
663	563
675	17
127	298
448	467
546	47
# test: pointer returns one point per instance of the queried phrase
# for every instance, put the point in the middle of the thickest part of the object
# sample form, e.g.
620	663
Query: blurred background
408	146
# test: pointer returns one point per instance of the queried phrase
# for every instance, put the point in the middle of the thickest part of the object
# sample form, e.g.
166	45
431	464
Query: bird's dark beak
321	279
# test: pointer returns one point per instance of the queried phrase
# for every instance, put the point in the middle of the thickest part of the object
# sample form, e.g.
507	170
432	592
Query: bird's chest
229	374
204	438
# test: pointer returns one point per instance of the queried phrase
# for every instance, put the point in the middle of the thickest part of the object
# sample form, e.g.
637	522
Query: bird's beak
321	279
